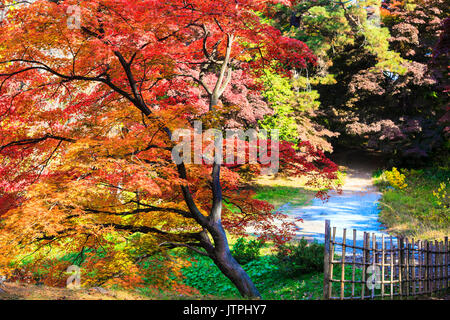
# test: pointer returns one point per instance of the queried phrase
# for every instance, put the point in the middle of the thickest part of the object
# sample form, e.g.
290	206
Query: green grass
270	280
415	211
295	190
279	195
264	272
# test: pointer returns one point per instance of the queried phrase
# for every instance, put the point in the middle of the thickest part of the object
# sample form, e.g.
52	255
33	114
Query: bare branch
34	140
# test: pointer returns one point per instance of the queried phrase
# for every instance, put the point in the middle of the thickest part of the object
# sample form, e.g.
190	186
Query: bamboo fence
386	269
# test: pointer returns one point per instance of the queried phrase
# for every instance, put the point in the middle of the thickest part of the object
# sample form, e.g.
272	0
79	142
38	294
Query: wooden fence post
364	265
441	270
344	234
374	261
382	266
429	269
433	267
400	266
392	268
436	268
407	267
425	266
354	264
446	262
413	267
326	261
419	270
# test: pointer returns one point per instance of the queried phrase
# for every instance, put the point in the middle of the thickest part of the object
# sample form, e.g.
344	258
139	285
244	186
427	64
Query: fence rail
392	267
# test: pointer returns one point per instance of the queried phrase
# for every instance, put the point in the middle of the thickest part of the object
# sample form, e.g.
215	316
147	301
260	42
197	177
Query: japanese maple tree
88	107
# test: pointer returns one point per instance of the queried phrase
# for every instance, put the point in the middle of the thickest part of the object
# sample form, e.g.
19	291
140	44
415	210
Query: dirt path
355	208
23	291
359	166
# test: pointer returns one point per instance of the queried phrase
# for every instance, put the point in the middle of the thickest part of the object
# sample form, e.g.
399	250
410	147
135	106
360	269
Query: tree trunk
220	251
228	265
234	271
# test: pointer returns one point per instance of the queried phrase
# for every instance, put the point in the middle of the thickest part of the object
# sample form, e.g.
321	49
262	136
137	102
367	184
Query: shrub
300	257
441	198
396	178
245	251
422	211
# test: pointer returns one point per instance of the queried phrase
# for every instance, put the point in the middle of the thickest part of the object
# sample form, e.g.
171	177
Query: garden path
355	208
